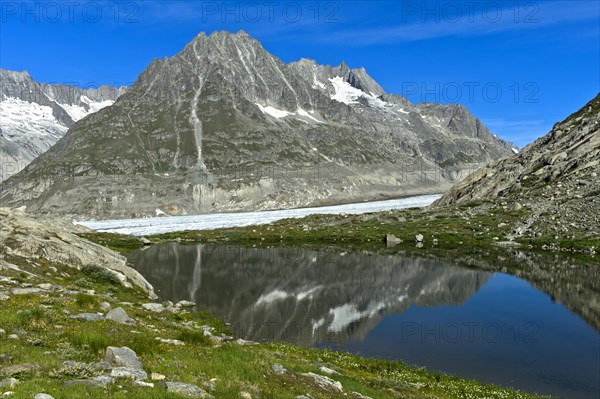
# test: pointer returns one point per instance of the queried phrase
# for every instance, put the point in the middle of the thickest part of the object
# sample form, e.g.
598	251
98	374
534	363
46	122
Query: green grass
468	227
92	340
193	337
116	242
366	232
86	300
49	337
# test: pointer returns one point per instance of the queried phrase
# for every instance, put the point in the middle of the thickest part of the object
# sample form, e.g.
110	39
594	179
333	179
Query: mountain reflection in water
537	333
301	296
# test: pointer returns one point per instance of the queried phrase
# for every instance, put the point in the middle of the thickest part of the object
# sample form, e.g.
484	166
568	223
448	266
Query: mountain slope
557	177
34	116
224	125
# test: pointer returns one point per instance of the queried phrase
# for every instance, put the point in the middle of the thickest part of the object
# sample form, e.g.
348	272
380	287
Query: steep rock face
557	176
34	116
224	125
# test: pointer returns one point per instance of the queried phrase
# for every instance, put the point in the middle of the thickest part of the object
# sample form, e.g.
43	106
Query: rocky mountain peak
224	100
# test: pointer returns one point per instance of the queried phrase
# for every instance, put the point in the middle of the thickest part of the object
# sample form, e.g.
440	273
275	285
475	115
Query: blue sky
518	66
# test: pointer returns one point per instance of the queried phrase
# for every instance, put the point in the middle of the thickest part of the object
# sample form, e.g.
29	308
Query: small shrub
100	274
66	350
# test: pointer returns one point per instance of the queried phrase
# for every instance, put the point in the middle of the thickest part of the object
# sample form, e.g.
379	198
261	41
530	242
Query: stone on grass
324	383
103	380
143	384
9	383
105	306
43	396
419	238
185	304
391	240
359	395
128	373
157	377
175	342
122	357
119	316
189	390
153	307
29	291
278	369
243	342
327	370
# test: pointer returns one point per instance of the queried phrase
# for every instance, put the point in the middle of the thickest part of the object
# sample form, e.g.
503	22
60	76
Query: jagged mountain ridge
222	105
34	116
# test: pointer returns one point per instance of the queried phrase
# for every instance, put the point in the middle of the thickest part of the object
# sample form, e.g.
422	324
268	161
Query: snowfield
158	225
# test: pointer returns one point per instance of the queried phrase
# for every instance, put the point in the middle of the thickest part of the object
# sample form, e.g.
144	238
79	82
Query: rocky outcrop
36	115
56	240
224	125
556	176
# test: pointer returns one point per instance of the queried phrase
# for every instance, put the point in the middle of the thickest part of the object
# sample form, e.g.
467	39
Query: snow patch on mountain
34	116
20	117
77	112
348	94
274	112
280	113
308	115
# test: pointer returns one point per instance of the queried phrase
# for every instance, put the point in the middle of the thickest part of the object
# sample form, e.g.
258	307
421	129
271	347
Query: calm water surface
492	327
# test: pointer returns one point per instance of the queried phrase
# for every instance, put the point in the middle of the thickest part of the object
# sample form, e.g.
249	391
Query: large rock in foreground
56	240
